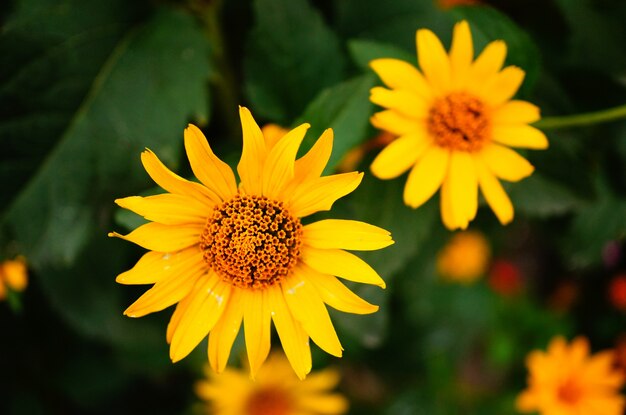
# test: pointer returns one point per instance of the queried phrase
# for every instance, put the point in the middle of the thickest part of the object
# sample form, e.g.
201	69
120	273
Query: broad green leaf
365	51
346	109
541	197
291	55
151	85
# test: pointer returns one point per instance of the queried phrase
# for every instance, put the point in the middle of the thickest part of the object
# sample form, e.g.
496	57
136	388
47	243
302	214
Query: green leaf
151	85
541	197
346	109
365	51
291	55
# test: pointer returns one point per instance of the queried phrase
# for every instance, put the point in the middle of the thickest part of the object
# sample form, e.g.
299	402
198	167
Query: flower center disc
268	402
458	121
569	392
251	241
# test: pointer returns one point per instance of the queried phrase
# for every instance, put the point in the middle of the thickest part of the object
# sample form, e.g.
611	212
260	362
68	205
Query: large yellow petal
341	264
163	238
176	316
401	100
312	164
463	187
505	163
168	208
253	154
207	167
345	234
494	194
398	74
395	123
155	266
426	176
223	335
501	88
516	112
256	322
208	300
319	194
173	183
523	136
400	155
339	297
279	165
487	65
292	336
433	60
461	53
167	291
309	309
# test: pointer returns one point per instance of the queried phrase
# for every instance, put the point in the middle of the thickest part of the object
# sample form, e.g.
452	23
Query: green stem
577	120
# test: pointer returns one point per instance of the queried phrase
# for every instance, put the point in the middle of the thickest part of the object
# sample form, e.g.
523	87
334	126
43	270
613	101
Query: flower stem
577	120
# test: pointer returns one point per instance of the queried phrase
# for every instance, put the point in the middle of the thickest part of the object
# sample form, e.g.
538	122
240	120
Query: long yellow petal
516	112
309	309
292	336
395	123
253	154
503	86
447	213
168	208
206	166
155	266
339	297
505	163
320	381
163	238
494	194
345	234
433	60
487	65
463	187
323	404
167	291
400	155
279	165
405	102
223	335
312	164
341	264
523	136
180	309
209	298
426	176
172	182
461	53
256	322
319	194
398	74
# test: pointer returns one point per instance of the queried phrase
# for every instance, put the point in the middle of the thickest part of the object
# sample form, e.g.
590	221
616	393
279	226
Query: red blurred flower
617	292
505	278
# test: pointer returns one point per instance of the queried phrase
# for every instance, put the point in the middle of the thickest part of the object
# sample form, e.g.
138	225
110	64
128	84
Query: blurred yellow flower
13	275
566	380
276	391
455	121
464	258
228	253
273	133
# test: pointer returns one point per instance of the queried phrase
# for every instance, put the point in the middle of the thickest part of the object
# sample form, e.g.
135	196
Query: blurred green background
86	85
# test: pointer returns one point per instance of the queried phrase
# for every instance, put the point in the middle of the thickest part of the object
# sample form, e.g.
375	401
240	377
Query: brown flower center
269	402
569	392
251	241
458	121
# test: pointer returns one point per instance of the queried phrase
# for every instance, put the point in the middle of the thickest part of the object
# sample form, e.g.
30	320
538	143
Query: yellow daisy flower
566	380
13	275
455	121
276	391
464	258
228	253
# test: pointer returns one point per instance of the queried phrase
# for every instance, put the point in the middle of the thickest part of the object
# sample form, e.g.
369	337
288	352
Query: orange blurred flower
464	258
13	276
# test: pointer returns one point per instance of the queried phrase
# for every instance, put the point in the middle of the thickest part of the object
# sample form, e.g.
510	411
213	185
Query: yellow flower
13	275
455	121
464	258
276	392
226	252
567	381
